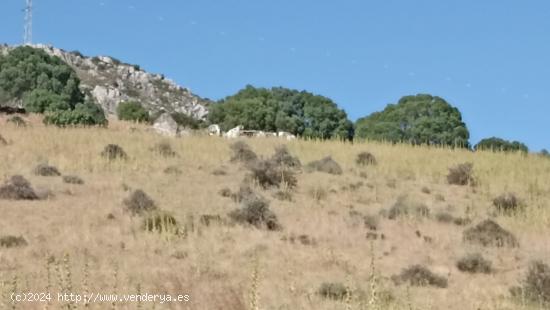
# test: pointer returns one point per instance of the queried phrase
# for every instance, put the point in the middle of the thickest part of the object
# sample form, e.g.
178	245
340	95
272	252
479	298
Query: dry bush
73	179
12	241
507	203
46	170
444	217
426	190
3	141
317	193
402	208
327	165
365	159
242	152
113	152
255	211
302	239
225	192
462	221
173	170
245	192
139	202
283	195
371	222
270	174
489	233
282	157
219	171
164	149
17	121
536	285
461	174
209	219
332	290
160	222
418	275
17	188
474	263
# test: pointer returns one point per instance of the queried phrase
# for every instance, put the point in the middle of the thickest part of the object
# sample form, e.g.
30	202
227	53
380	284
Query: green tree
132	111
45	84
281	109
187	121
498	144
86	114
420	119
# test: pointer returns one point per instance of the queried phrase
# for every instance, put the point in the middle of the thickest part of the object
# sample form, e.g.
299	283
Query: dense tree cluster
498	144
281	109
420	119
45	84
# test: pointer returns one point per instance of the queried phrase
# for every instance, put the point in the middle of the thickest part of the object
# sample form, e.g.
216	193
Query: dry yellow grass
235	267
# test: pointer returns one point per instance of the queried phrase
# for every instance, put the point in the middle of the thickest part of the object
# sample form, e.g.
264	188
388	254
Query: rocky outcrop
110	81
166	125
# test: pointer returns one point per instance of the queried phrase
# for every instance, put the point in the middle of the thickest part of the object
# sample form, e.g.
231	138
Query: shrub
160	222
73	179
132	111
12	241
113	152
371	222
242	152
268	174
327	165
244	193
461	174
365	159
164	149
282	157
497	144
507	203
536	285
337	291
46	171
185	121
139	202
402	207
255	211
283	195
474	263
84	114
209	219
225	192
489	233
219	171
173	170
17	188
17	121
444	217
418	275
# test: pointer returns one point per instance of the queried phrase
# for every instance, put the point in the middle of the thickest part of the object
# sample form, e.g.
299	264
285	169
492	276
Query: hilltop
110	81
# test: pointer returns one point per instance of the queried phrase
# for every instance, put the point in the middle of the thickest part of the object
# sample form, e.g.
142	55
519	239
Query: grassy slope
215	264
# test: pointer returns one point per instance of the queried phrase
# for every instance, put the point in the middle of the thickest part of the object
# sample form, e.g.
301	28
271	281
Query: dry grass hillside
390	233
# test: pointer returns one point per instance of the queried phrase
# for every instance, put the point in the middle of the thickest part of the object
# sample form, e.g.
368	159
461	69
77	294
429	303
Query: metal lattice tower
27	38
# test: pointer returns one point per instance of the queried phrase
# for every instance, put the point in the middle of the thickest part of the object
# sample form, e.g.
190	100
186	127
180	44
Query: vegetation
186	121
498	144
132	111
281	109
420	119
45	84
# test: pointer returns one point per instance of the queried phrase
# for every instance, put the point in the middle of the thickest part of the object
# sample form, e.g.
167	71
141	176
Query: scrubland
343	240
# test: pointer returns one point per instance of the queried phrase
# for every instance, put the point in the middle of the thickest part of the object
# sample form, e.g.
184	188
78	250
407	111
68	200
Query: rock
286	135
234	133
214	130
166	125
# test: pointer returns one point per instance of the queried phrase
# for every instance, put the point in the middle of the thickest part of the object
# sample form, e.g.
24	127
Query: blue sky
489	58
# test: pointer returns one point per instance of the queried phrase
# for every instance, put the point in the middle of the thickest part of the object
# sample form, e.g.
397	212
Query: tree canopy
498	144
281	109
45	84
420	119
